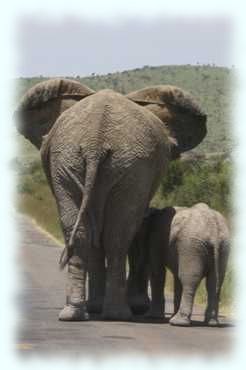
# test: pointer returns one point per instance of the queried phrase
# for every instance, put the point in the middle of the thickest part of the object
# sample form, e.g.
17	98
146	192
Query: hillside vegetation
202	177
210	85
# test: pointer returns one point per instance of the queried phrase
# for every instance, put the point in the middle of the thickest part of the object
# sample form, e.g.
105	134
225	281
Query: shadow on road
195	323
141	319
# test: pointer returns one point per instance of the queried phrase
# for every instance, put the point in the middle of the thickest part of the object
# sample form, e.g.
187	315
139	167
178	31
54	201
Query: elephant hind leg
177	294
213	287
75	308
123	215
214	281
190	275
117	238
96	266
68	199
211	313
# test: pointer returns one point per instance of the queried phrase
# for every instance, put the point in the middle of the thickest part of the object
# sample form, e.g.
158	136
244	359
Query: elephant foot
212	322
154	313
139	305
180	320
71	313
117	313
94	306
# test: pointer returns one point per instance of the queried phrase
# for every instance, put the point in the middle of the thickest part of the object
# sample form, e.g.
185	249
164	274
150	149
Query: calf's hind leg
191	271
177	294
214	287
211	313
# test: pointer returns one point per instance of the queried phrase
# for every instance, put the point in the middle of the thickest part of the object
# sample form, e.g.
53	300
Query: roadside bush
190	182
24	187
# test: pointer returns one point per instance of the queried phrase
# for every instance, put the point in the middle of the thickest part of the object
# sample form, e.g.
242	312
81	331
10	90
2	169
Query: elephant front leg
97	275
157	280
137	292
157	274
115	302
137	283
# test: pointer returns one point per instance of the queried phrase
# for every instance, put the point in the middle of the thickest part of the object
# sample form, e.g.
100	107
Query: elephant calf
193	243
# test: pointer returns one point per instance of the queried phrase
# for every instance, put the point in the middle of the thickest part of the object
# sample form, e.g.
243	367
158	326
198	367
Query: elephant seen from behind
193	243
101	152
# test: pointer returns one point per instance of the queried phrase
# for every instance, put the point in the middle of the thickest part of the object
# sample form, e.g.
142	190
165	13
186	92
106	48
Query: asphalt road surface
42	295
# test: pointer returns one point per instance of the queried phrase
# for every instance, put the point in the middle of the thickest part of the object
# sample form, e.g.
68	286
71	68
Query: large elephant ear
48	90
178	110
42	104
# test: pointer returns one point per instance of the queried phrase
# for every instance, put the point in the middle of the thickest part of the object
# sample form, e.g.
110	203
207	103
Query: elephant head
183	117
42	104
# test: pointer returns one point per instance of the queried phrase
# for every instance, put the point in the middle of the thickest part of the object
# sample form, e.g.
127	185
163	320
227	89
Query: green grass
44	213
35	199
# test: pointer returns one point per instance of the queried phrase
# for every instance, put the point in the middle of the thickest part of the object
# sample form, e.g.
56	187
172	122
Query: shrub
24	187
190	182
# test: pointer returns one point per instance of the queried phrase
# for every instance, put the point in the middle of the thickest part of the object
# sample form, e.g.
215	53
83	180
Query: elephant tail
86	190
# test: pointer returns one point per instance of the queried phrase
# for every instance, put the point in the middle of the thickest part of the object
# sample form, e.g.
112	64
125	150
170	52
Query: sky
61	47
74	46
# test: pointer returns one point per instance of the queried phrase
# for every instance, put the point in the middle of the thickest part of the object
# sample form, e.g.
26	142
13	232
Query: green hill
211	86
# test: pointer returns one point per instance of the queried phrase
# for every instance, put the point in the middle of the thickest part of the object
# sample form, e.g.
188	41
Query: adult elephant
104	156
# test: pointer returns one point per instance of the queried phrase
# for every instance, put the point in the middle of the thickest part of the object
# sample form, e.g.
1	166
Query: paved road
42	296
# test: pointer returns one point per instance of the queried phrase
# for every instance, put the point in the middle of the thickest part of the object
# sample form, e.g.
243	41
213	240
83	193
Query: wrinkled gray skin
101	152
193	243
